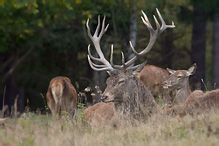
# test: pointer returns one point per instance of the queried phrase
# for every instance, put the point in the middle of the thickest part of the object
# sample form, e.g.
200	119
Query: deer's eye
121	81
179	77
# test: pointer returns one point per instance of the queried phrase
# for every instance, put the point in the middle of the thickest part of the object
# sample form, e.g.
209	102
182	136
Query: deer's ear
137	69
192	69
171	71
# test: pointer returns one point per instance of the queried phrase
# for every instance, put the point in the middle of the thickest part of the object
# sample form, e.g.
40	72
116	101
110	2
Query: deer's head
179	78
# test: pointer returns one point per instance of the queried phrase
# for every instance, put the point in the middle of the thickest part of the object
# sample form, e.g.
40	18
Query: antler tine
123	60
164	26
88	29
117	66
91	56
110	66
153	35
97	67
98	26
111	56
96	41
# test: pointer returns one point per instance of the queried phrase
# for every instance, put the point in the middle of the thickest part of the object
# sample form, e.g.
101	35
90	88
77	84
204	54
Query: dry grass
158	130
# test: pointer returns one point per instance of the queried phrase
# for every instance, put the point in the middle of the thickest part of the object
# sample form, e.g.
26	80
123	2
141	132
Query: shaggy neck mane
139	103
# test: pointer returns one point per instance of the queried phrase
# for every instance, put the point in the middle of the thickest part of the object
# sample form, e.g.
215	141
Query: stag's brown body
61	96
153	76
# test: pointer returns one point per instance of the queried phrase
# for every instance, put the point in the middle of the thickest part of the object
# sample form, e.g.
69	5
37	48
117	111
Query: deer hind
130	95
61	96
179	81
189	102
197	102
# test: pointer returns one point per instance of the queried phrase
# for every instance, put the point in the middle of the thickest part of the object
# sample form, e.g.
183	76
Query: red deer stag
179	81
61	96
129	94
153	77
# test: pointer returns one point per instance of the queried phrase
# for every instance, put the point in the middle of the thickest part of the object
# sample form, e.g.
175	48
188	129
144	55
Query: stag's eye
121	81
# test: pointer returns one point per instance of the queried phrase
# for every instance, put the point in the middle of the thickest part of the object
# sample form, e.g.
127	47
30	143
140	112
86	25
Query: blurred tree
215	51
199	43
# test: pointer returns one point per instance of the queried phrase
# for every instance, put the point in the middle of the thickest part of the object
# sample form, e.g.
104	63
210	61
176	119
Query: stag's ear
137	69
192	70
171	71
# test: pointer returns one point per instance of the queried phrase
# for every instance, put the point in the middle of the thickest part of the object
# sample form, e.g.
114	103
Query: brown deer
153	77
129	94
62	96
101	114
179	81
197	102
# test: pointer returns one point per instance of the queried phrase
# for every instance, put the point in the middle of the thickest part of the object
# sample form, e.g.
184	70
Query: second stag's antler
105	65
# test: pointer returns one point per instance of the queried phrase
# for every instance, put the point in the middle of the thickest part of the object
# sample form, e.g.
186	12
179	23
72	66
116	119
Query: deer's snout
164	84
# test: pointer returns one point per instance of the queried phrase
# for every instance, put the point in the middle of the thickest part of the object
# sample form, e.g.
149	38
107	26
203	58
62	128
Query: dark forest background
42	39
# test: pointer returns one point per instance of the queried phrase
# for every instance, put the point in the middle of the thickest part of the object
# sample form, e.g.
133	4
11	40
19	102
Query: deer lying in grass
197	102
130	95
179	81
61	96
153	77
194	102
101	114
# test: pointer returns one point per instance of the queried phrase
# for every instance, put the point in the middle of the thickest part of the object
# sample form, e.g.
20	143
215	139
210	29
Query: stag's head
122	81
179	78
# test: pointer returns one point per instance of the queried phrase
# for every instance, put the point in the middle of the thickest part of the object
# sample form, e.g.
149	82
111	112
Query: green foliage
81	105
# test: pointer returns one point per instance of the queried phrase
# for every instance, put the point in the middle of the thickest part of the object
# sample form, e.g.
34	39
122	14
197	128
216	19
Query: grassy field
42	130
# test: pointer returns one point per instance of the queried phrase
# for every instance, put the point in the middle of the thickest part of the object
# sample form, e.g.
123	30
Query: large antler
110	66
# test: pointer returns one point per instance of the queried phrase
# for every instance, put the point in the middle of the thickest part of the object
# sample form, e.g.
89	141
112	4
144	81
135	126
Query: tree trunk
133	32
199	46
216	50
10	93
167	50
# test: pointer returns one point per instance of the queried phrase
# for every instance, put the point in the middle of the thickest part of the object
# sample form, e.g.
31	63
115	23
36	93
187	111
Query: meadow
160	129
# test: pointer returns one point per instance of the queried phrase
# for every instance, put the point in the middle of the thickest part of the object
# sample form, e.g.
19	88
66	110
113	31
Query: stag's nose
102	98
